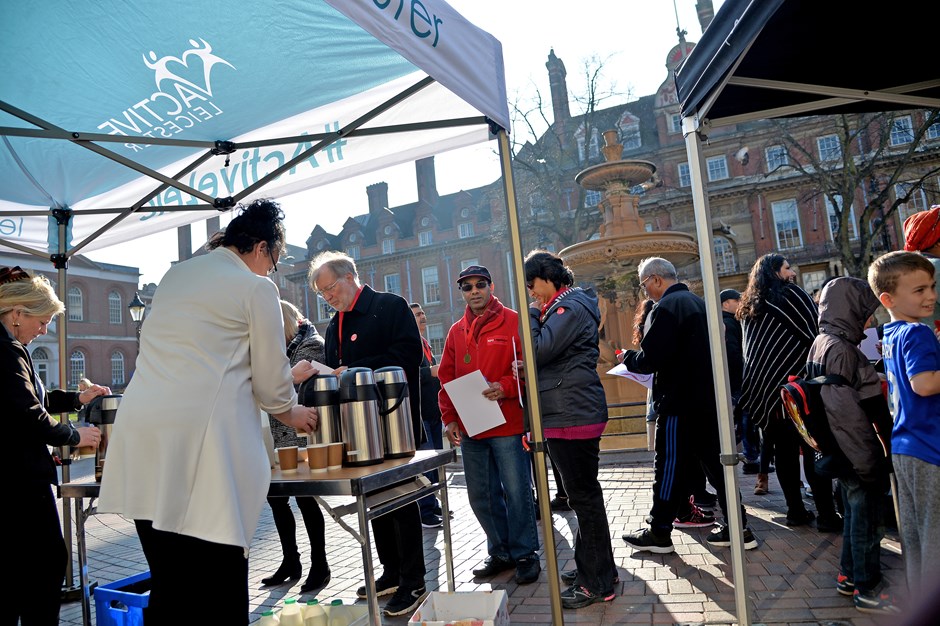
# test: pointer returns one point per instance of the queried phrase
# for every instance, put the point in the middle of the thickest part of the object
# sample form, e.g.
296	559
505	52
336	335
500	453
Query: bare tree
864	169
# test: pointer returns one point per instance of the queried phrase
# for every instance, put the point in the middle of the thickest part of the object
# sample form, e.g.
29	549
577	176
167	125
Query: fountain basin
603	258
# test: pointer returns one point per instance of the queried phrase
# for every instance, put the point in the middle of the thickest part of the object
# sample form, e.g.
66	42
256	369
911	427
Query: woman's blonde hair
292	316
34	296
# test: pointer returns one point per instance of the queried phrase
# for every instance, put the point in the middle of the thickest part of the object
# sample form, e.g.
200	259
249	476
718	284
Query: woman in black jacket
33	593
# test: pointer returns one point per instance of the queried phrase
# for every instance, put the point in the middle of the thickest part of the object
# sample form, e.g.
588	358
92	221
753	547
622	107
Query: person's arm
926	383
658	343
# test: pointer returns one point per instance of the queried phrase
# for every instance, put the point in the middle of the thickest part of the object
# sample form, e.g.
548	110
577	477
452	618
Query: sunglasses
480	284
12	274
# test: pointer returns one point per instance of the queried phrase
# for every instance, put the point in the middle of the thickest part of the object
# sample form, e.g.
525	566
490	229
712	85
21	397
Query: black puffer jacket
854	411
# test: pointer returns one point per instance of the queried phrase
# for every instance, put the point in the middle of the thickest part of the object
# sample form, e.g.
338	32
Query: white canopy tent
126	119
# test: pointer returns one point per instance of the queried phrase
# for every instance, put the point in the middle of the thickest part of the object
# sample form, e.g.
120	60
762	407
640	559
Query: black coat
380	331
33	428
735	350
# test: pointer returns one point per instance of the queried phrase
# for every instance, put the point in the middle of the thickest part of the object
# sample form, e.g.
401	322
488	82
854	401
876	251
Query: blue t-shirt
911	349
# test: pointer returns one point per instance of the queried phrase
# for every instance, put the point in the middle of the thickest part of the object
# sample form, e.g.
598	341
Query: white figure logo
203	52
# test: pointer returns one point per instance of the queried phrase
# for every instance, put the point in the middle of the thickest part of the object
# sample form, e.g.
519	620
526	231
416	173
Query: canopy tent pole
719	358
531	382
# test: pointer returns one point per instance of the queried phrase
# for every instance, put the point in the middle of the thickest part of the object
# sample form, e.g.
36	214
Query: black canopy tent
762	59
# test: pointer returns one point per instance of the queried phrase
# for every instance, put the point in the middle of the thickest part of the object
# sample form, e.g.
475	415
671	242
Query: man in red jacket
496	466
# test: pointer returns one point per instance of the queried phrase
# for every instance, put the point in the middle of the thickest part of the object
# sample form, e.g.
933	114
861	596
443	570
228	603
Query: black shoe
405	601
577	596
800	518
289	570
559	503
721	537
645	539
750	468
432	521
571	577
832	524
383	587
706	500
315	580
492	566
527	570
440	513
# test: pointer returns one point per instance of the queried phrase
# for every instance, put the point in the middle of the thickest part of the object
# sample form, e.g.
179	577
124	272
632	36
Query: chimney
378	197
706	12
427	181
559	88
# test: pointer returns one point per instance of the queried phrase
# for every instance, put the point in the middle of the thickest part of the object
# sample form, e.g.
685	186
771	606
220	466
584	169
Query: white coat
186	449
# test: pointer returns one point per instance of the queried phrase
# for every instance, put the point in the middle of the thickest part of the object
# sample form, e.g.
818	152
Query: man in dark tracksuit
375	329
687	425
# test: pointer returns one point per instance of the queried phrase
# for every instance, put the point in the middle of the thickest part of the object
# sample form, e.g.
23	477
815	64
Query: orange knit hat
922	230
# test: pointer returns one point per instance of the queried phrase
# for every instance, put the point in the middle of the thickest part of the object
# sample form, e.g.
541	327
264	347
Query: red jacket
488	341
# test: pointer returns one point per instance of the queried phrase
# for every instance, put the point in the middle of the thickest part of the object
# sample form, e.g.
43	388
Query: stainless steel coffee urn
101	412
359	416
395	408
322	392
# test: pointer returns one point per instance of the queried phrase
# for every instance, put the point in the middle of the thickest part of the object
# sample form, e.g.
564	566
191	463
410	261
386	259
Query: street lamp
137	308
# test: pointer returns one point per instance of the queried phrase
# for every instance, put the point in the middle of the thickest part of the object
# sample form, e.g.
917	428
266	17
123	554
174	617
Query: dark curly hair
763	285
262	220
549	267
643	308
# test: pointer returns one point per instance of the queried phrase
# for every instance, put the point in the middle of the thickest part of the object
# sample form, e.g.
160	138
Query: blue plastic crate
122	602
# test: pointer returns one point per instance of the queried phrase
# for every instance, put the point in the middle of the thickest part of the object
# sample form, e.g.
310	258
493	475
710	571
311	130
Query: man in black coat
375	329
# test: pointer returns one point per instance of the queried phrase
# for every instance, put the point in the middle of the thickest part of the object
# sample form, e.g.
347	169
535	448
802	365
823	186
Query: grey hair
340	264
656	266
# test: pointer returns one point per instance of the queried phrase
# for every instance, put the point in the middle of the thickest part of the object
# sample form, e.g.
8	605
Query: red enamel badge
354	337
560	310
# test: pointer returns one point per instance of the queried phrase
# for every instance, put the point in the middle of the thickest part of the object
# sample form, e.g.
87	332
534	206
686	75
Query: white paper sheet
621	370
477	413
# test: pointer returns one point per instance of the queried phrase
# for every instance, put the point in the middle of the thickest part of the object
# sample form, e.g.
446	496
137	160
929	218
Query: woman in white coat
187	461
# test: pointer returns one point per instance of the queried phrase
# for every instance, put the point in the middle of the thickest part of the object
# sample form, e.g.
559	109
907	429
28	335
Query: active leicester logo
182	100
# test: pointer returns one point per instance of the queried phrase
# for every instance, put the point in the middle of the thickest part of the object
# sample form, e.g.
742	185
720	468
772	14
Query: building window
776	156
324	310
353	252
685	175
587	148
787	224
834	222
115	308
717	168
388	246
592	198
464	230
675	123
425	238
76	368
393	283
75	304
829	148
41	363
117	369
724	255
630	132
915	204
430	285
436	338
537	204
933	132
812	281
902	131
464	264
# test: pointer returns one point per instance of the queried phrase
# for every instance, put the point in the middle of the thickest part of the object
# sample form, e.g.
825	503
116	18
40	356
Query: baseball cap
474	270
729	294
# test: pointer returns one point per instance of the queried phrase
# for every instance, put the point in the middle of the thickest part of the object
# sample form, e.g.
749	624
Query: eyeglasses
12	274
529	285
273	260
328	289
643	282
480	284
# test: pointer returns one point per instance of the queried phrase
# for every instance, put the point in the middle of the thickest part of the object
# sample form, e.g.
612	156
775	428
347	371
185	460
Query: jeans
497	474
577	461
434	441
862	534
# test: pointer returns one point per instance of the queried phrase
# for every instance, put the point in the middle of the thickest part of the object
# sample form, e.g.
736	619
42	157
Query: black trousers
286	527
179	564
36	568
399	542
787	447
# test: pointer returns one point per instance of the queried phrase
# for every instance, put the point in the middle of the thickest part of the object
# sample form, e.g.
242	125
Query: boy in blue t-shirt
904	283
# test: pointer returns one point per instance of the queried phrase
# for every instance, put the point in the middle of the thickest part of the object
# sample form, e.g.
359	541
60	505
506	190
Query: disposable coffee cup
301	454
335	455
287	457
318	457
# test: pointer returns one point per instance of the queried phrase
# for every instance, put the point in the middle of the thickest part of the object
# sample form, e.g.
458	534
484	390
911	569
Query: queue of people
220	349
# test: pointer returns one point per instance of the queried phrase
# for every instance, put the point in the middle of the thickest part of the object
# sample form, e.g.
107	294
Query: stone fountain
610	263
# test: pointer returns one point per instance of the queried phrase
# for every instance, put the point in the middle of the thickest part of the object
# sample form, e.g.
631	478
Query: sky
631	38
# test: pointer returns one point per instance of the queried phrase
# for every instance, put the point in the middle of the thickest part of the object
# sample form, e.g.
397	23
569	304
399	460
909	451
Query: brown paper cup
287	457
317	457
335	456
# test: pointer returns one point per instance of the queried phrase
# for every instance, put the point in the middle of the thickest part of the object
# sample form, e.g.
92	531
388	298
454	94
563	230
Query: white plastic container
314	615
291	614
268	618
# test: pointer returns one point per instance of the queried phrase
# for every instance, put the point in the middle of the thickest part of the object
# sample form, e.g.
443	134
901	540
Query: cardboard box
468	608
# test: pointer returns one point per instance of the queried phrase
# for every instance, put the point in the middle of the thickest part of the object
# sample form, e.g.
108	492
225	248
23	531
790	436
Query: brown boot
761	488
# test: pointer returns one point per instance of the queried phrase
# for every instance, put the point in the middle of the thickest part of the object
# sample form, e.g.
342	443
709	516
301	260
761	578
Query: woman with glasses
38	562
564	321
187	460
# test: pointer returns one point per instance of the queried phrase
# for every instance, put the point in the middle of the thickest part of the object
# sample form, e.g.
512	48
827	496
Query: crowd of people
220	349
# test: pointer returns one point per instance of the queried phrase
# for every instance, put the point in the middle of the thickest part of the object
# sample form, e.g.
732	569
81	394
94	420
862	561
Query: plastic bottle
291	614
314	615
338	614
268	618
